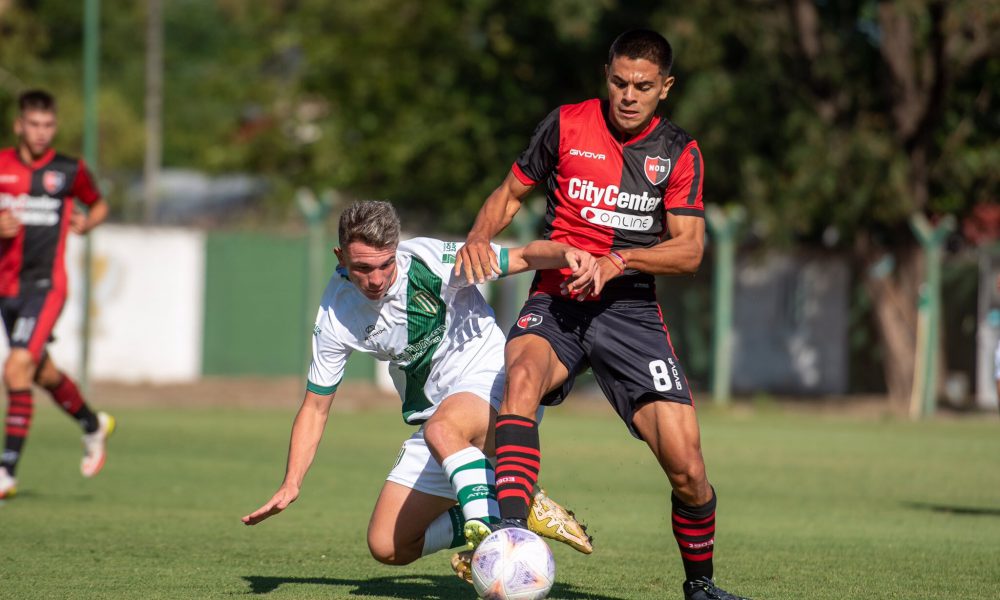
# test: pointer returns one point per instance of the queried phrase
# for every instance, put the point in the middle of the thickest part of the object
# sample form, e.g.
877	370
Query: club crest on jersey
529	320
53	181
656	169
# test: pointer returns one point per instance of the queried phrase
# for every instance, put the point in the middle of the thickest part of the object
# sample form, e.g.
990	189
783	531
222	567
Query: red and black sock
66	395
19	411
518	462
694	529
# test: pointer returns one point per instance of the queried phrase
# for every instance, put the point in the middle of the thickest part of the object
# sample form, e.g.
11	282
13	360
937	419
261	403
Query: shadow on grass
954	510
429	587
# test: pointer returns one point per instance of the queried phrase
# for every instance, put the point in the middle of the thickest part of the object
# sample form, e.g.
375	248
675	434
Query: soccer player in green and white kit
401	303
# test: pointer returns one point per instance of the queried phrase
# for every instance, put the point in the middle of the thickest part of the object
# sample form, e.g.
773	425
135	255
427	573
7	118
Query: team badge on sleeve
656	169
53	181
529	320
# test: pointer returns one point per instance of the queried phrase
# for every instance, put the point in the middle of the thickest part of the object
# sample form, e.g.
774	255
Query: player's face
635	88
35	129
371	269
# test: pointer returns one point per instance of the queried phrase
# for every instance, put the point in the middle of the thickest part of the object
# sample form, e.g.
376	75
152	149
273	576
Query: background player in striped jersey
37	189
624	185
401	303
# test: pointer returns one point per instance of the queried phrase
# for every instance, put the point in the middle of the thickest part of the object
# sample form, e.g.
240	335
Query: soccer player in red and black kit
625	185
37	188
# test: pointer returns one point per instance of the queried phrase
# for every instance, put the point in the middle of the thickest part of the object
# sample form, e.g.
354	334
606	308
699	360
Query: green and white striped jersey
434	329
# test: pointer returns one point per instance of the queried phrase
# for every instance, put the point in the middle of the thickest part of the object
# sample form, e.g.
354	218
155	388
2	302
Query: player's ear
668	82
340	256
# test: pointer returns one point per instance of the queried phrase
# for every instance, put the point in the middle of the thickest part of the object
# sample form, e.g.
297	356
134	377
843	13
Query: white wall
146	306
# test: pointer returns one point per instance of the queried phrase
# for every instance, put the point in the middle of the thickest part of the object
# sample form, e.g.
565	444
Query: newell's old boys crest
656	169
529	320
53	181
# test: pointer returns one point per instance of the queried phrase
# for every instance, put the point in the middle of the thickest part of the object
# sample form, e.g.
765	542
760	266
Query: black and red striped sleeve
539	159
683	195
84	189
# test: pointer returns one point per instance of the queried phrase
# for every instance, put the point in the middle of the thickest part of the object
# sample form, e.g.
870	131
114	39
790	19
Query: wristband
620	259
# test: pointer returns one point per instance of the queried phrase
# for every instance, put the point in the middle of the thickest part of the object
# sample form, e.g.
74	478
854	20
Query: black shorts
624	342
30	318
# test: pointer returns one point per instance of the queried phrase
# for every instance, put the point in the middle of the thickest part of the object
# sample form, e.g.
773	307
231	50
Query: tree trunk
894	307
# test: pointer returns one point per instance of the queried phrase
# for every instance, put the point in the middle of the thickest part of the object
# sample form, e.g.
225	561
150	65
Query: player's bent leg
400	522
455	435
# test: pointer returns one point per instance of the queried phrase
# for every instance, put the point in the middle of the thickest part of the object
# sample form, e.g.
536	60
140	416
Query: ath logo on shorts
53	181
656	169
529	320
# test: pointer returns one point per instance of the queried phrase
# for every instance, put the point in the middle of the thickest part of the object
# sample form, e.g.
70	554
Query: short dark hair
644	43
37	100
372	222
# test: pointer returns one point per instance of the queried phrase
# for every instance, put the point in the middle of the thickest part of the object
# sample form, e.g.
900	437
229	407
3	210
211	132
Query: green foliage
428	103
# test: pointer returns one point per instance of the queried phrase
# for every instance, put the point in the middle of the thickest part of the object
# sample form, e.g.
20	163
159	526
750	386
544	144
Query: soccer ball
513	564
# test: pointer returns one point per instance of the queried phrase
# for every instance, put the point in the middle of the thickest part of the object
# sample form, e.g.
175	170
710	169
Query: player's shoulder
581	110
428	249
64	162
8	156
671	133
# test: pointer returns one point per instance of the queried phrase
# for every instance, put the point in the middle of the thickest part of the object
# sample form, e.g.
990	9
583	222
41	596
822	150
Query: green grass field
810	507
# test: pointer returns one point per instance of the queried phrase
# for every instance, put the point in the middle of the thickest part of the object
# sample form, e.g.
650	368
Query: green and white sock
474	481
444	532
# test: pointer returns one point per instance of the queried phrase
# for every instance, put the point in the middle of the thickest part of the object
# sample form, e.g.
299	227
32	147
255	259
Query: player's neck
27	156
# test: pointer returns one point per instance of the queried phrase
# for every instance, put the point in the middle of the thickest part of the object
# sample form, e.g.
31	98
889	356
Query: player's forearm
96	215
673	257
540	254
307	431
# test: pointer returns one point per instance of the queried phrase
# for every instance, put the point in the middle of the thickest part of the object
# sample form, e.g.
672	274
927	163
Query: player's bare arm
679	255
9	224
82	222
545	254
307	431
476	259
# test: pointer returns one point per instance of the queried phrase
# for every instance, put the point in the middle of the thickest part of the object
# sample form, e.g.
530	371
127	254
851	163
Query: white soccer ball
513	564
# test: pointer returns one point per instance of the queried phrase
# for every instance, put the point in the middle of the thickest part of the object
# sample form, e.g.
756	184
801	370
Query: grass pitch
809	506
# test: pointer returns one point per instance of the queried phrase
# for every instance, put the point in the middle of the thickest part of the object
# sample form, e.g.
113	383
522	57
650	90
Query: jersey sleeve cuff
687	212
322	390
521	176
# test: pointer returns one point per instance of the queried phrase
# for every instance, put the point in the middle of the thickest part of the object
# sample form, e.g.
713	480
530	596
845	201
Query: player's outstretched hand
278	502
477	261
9	224
582	265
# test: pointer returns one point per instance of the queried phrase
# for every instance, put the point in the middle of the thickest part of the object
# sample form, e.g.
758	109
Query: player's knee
690	484
18	370
386	551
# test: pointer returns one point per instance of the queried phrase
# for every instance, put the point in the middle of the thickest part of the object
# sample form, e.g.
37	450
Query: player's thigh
399	520
671	431
463	419
544	353
633	361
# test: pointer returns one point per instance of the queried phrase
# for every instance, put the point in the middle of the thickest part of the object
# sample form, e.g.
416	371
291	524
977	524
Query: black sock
20	409
694	530
518	462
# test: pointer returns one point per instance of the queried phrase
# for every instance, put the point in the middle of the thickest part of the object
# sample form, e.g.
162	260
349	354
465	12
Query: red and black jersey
41	196
603	194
